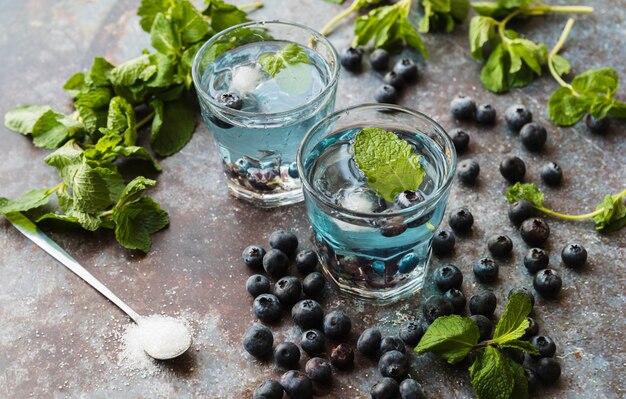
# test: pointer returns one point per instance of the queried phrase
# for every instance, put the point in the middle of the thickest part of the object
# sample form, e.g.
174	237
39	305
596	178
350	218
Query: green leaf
451	337
618	110
97	97
189	22
165	69
513	322
58	221
388	162
290	55
613	216
134	190
31	200
521	78
494	74
148	11
136	221
491	375
163	37
409	35
75	84
53	129
94	189
489	9
67	159
22	119
601	81
520	385
459	9
561	65
100	72
132	71
224	15
137	151
87	221
172	127
438	5
481	30
527	51
565	108
121	120
513	3
92	119
525	191
521	345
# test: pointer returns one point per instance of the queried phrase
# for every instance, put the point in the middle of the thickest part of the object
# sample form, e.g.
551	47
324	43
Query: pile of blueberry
403	73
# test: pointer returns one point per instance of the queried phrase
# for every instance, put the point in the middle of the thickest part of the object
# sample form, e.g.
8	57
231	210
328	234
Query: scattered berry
463	107
513	169
545	345
551	174
520	211
275	263
230	100
313	284
393	79
319	370
524	291
574	255
500	245
253	256
287	355
258	284
288	290
517	116
386	94
351	59
342	357
535	260
285	241
389	344
269	389
468	171
548	370
443	242
297	384
457	299
258	341
379	59
307	314
461	220
406	69
337	325
485	326
460	139
598	126
306	261
533	136
312	342
535	231
369	342
408	198
293	171
483	303
410	389
266	307
531	330
394	364
486	114
547	282
448	276
486	270
411	332
531	377
387	388
436	306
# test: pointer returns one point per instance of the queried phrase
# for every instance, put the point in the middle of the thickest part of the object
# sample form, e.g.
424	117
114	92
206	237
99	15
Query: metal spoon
28	228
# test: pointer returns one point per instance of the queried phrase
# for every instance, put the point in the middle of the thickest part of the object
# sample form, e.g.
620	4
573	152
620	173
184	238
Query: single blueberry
342	357
513	169
258	284
285	241
443	242
597	126
287	355
486	270
337	325
266	307
535	260
312	342
411	389
411	332
436	306
306	261
485	326
393	79
500	245
408	262
394	364
387	388
484	303
369	342
391	343
379	59
461	220
517	116
574	255
269	389
551	174
258	341
253	256
457	299
313	284
407	69
386	94
468	171
463	107
535	231
533	136
293	171
275	263
319	370
297	384
486	114
351	59
288	290
520	211
460	139
307	314
547	283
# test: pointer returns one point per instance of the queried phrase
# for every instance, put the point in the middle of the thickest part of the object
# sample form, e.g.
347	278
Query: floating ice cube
246	78
360	199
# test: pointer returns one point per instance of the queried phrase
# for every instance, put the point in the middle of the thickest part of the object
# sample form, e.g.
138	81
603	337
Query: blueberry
535	260
531	330
342	357
389	344
312	342
253	256
524	291
436	306
483	303
288	290
574	255
269	389
408	262
486	114
411	332
457	299
369	342
258	341
230	100
598	126
266	307
443	243
486	270
313	284
500	245
517	355
297	384
258	284
394	364
407	69
517	116
547	282
285	241
531	377
535	231
461	220
468	171
287	355
485	326
460	139
351	59
306	261
393	79
307	314
379	59
408	198
410	389
548	370
533	136
545	345
293	171
520	211
276	263
513	169
337	325
387	388
393	226
551	174
463	107
386	94
319	370
448	276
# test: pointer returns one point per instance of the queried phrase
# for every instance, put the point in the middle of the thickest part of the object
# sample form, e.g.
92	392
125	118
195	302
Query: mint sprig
388	162
609	215
442	15
493	374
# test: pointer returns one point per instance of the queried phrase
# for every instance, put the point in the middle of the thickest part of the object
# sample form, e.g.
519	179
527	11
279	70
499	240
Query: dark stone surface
59	338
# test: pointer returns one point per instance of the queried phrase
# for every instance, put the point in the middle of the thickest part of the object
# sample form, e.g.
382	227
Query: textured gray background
60	339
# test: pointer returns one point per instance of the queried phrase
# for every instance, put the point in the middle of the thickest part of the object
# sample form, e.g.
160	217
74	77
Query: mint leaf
53	129
388	162
163	37
121	120
132	71
97	97
189	22
58	221
521	345
22	119
148	11
137	151
173	125
565	108
290	55
601	81
513	322
613	215
527	51
31	200
134	190
442	14
136	221
481	30
520	386
75	84
94	189
100	72
525	191
66	160
451	337
491	375
224	15
494	74
561	64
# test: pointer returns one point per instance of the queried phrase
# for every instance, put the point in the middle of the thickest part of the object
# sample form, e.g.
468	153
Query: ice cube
360	199
246	78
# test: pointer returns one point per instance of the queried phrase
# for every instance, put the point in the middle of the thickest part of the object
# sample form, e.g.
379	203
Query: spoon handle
28	228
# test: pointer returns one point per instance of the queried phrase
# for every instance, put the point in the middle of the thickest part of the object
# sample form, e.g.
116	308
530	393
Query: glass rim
428	203
318	36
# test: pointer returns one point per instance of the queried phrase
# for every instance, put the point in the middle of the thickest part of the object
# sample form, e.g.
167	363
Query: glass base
266	200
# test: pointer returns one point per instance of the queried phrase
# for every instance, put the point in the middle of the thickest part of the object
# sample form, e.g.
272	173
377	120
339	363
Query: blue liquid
257	154
371	257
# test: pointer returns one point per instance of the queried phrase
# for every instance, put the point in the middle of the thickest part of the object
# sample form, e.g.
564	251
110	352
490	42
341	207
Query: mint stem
555	51
252	6
329	26
145	120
